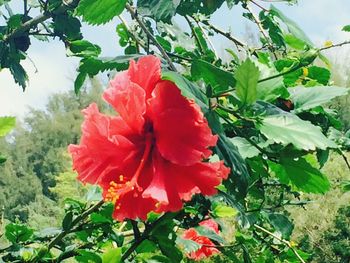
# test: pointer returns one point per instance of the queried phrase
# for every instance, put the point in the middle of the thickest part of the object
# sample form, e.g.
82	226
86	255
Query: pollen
121	178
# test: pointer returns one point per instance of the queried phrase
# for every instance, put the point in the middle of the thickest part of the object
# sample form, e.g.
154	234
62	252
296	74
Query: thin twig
206	38
37	20
258	5
335	45
137	41
262	31
345	159
79	218
150	36
201	48
281	240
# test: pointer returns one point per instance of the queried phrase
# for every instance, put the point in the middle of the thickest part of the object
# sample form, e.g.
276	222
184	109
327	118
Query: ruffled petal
128	99
146	72
182	133
171	184
100	149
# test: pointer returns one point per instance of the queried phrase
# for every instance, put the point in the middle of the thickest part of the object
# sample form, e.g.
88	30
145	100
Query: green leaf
294	42
83	48
112	255
308	98
293	28
271	89
346	186
19	74
79	81
67	220
188	89
281	223
346	28
66	25
245	148
160	10
300	174
219	79
247	75
322	75
290	129
187	245
18	233
86	256
6	125
224	211
98	12
207	7
237	183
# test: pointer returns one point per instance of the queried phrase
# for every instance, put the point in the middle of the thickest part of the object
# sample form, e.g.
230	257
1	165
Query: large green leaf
300	174
6	125
290	129
322	75
281	223
160	10
291	25
219	79
247	75
245	148
271	89
308	98
84	48
98	12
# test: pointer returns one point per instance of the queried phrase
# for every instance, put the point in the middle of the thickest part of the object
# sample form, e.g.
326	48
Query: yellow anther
121	178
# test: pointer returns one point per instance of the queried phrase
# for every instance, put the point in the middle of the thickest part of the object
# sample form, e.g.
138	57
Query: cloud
55	74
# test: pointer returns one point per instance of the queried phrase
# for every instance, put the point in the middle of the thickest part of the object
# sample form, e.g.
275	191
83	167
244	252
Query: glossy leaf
247	75
308	98
300	174
98	12
219	79
290	129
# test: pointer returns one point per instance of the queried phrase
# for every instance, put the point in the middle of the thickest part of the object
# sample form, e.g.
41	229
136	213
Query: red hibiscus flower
150	156
207	246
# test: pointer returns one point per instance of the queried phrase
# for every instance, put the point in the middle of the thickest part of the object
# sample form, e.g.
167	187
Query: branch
150	35
79	218
39	19
281	240
335	45
262	31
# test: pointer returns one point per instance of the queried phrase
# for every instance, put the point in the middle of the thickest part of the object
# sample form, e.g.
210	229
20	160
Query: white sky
321	20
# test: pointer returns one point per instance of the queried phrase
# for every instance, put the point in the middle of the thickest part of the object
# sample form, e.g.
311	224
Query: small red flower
150	156
207	248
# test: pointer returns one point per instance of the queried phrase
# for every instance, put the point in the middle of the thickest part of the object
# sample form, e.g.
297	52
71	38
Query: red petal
172	183
100	150
162	187
182	133
146	72
128	99
131	204
210	224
